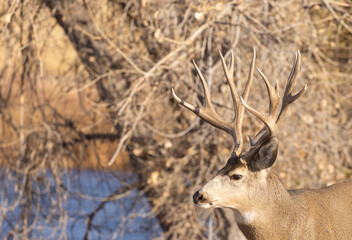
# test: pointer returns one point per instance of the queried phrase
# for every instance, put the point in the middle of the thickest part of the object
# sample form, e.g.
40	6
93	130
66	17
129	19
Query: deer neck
268	217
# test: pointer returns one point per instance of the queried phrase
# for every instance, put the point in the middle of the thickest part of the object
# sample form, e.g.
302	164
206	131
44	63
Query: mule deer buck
263	208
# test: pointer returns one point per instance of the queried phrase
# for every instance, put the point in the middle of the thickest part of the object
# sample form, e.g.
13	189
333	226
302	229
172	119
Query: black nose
197	197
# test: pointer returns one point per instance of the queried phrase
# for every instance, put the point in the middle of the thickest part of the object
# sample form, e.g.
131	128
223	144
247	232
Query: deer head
245	179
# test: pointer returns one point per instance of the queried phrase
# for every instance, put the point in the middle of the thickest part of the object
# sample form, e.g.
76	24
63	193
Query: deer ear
267	154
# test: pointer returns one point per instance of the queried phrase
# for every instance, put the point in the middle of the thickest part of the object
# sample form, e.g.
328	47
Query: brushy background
84	83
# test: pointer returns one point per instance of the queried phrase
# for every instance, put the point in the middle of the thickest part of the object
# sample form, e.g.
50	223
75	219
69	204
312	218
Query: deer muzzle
198	198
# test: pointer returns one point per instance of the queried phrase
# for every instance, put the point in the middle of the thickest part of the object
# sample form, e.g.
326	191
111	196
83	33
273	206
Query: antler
272	123
207	112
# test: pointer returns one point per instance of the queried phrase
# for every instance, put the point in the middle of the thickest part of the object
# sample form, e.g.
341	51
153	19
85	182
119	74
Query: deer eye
236	177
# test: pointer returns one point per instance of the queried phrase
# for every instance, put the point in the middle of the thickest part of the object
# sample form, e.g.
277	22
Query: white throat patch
245	217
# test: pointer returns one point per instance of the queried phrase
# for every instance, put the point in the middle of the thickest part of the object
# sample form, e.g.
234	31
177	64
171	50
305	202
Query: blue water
126	217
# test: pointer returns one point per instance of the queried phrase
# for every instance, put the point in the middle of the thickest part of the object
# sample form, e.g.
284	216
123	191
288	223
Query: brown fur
324	213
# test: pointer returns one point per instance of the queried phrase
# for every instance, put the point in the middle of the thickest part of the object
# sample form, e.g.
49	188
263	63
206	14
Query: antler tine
270	122
206	91
183	103
273	93
229	78
288	97
250	77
